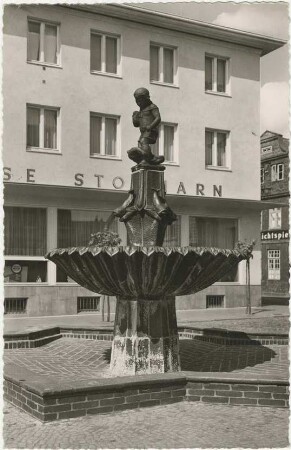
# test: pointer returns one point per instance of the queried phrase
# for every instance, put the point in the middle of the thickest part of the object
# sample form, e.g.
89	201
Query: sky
270	19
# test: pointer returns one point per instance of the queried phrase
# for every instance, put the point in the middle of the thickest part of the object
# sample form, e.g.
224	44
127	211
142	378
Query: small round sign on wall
16	268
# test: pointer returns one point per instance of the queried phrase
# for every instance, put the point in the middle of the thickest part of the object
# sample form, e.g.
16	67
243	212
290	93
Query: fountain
146	277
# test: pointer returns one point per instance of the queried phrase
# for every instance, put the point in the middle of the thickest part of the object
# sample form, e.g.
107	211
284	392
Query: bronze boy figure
147	119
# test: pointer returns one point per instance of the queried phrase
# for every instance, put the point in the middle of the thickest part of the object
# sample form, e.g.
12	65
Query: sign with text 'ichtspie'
274	235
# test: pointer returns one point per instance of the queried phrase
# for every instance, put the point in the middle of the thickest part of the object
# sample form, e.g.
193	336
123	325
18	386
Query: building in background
69	73
275	221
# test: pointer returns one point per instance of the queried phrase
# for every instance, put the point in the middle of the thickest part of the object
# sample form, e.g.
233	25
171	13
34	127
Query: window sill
28	283
161	83
106	74
221	169
227	283
43	150
170	163
45	64
112	158
24	258
220	94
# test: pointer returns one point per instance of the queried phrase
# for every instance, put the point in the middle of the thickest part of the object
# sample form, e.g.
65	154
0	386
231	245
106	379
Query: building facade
68	81
275	221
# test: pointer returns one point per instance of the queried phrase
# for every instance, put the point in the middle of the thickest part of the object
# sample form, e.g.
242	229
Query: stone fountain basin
147	272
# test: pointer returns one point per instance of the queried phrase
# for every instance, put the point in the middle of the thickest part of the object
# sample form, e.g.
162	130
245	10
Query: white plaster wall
77	92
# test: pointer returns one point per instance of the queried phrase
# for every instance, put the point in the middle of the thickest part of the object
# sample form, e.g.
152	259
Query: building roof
265	44
274	150
279	143
270	135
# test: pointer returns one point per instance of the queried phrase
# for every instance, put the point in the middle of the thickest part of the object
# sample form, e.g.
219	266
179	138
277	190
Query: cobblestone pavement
268	319
68	358
183	425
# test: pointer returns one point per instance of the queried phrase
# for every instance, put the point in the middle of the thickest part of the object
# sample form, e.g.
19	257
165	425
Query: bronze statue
147	119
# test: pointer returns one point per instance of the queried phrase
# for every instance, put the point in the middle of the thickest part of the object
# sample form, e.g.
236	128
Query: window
25	237
103	135
216	74
163	64
214	232
275	218
173	234
273	264
74	228
88	304
262	175
166	142
105	53
15	305
43	42
277	172
216	149
268	149
42	128
214	301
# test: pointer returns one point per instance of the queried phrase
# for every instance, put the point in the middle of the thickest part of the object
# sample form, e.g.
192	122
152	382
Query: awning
23	194
189	201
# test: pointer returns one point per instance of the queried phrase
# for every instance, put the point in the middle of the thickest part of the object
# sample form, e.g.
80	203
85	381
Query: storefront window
173	234
25	238
214	232
25	231
24	271
75	228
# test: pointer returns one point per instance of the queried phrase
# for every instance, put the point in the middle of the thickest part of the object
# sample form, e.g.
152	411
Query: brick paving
69	358
254	325
183	425
65	358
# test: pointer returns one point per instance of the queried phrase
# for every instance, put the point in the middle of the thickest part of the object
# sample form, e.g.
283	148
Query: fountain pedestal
145	331
145	337
145	212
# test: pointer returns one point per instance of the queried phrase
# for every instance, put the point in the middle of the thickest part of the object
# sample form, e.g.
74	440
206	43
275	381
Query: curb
219	336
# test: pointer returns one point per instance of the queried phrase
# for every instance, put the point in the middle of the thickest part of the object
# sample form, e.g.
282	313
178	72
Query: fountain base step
145	337
50	399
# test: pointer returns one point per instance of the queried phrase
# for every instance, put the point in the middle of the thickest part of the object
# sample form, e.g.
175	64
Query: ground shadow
254	312
106	354
200	355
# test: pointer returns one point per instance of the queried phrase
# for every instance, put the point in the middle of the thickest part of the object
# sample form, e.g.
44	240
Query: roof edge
265	44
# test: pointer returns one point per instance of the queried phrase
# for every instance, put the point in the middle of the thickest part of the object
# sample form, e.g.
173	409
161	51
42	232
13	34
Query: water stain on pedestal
145	337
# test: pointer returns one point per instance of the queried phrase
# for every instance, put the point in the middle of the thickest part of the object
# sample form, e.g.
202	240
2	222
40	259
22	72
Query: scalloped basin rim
146	272
130	250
